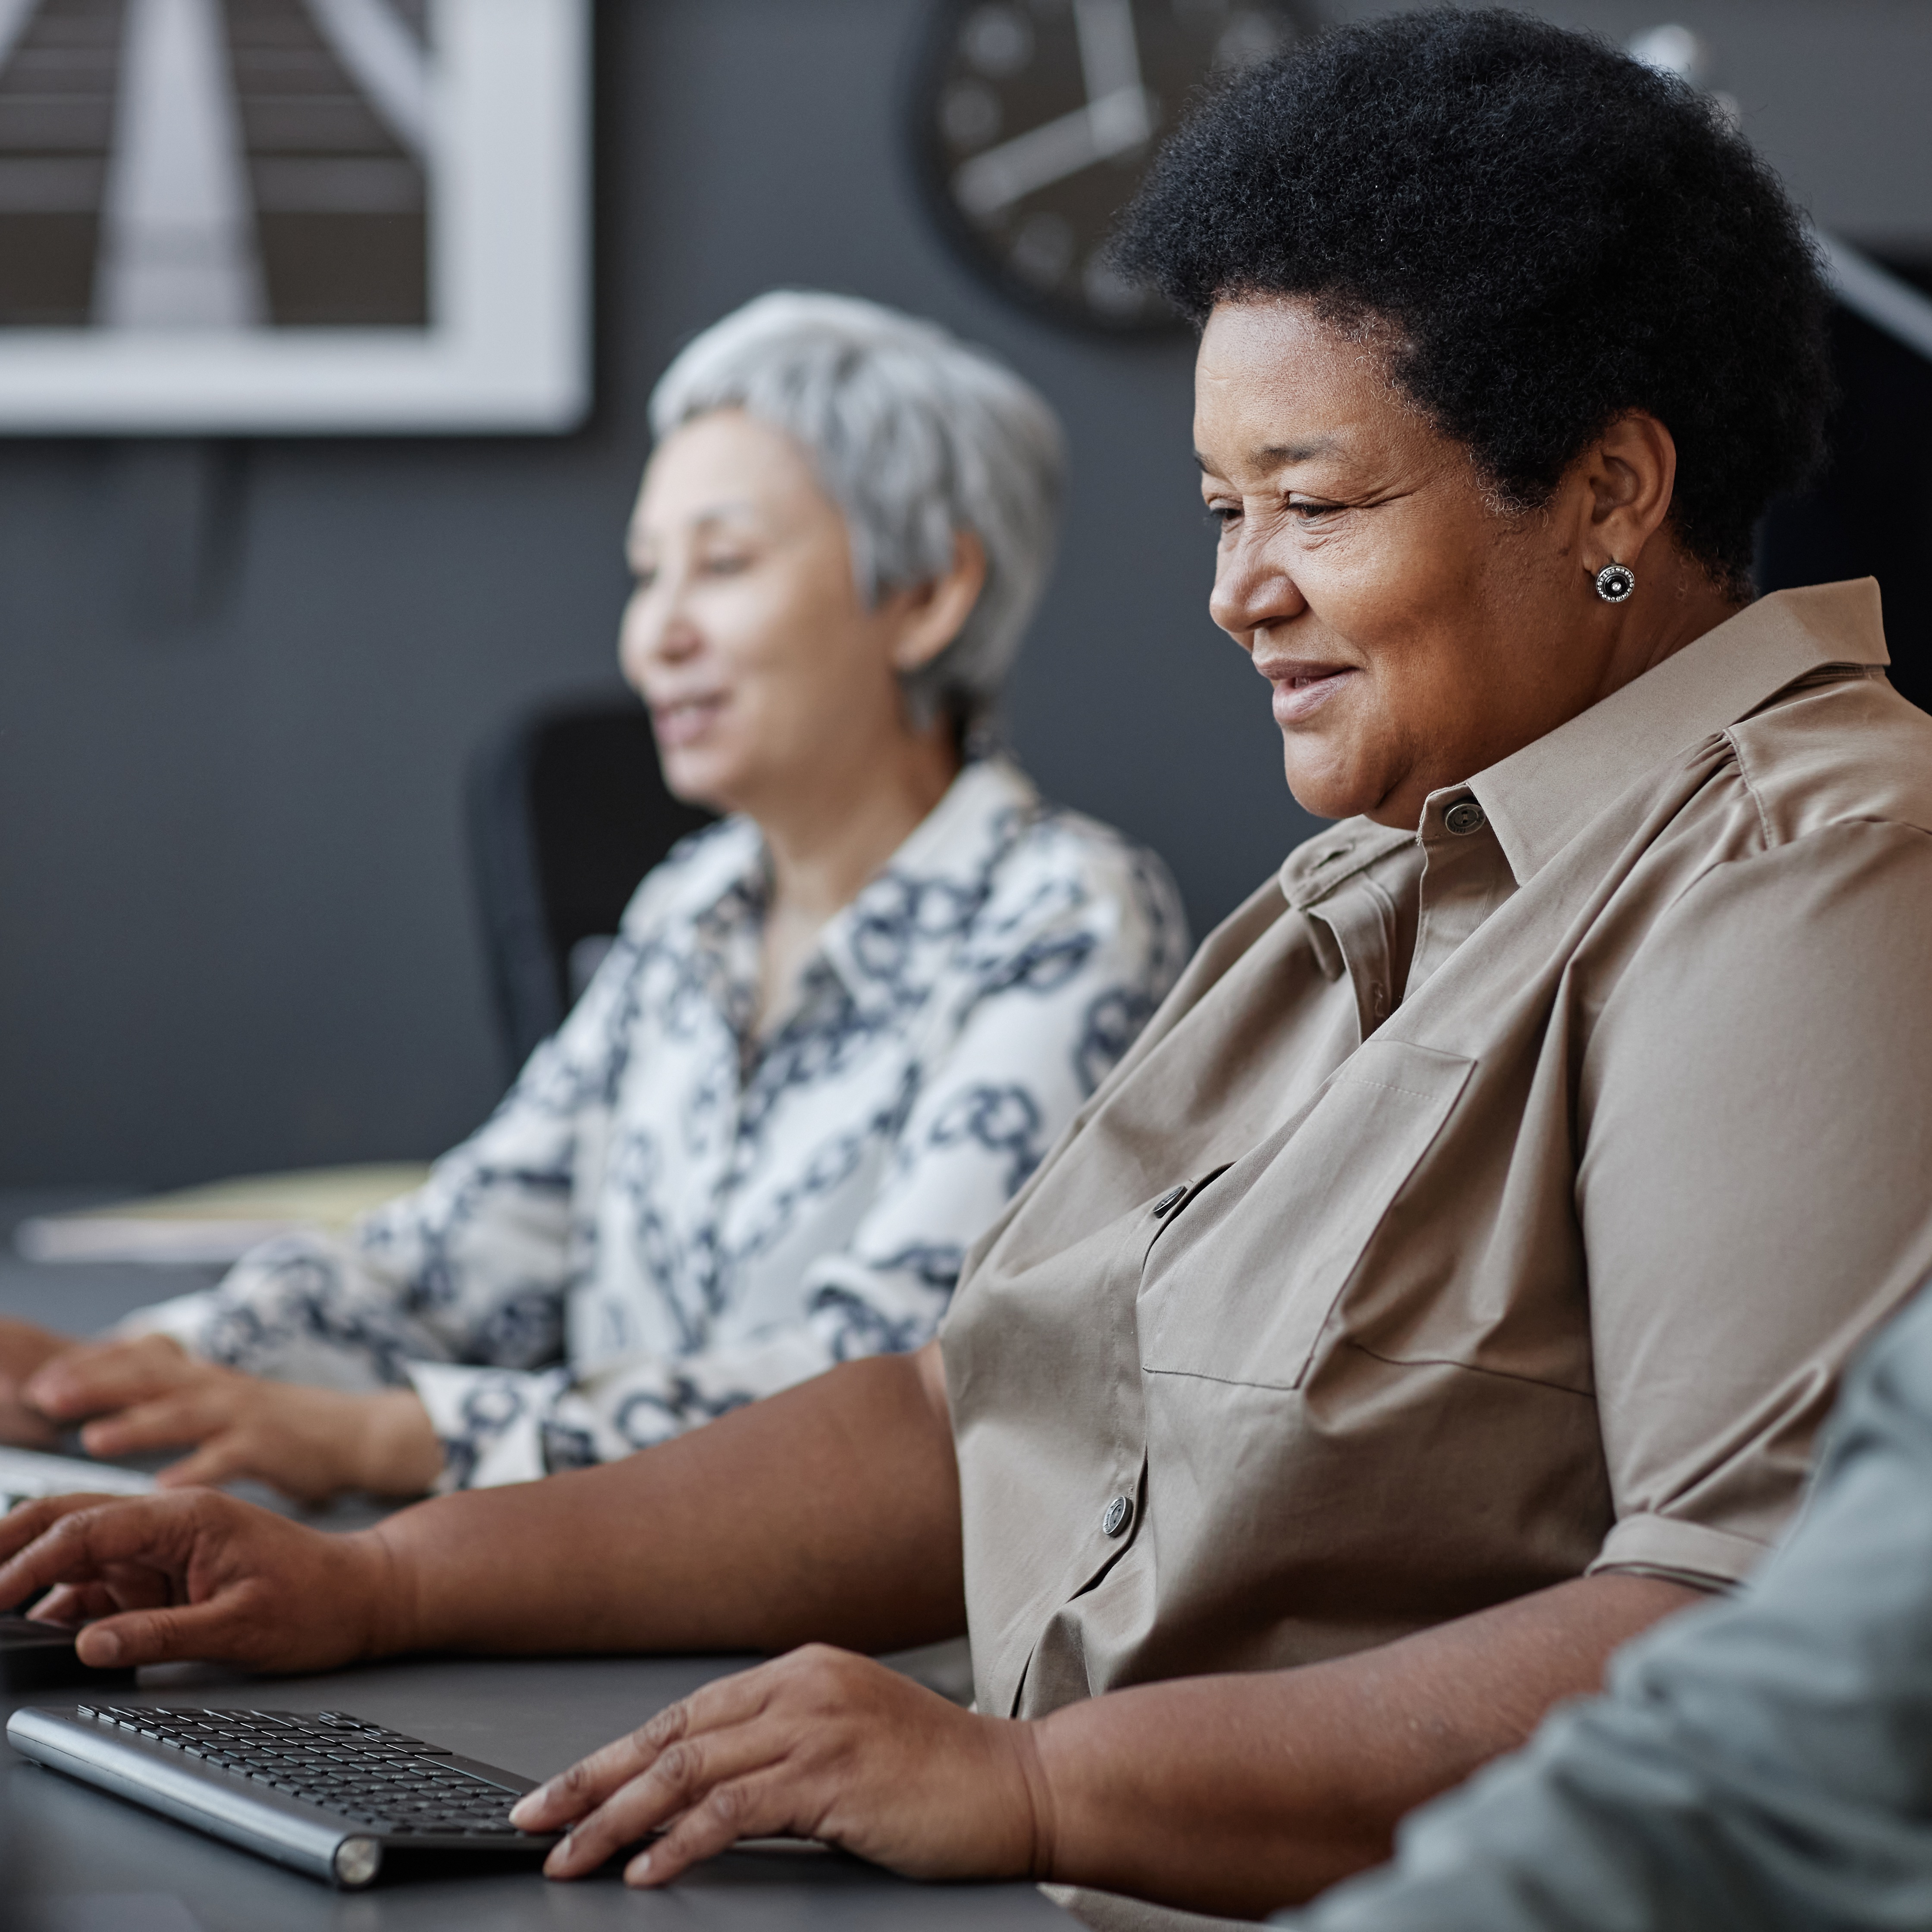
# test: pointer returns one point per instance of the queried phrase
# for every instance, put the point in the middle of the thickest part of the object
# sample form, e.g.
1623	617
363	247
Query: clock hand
1119	115
1110	59
1051	152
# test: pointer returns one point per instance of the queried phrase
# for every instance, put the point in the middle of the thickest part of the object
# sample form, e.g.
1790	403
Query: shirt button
1465	818
1118	1515
1168	1199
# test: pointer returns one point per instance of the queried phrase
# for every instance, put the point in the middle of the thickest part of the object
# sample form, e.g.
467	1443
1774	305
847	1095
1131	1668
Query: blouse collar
887	945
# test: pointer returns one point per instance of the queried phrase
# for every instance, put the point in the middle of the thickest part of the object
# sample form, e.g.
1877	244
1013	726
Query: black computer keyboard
325	1792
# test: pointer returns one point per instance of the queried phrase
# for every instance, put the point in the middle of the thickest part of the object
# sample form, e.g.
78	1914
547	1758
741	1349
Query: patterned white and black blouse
670	1214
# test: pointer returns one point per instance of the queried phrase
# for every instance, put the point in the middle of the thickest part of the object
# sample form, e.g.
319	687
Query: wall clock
1035	120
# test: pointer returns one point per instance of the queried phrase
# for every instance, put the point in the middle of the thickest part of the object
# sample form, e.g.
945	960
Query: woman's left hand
819	1743
145	1393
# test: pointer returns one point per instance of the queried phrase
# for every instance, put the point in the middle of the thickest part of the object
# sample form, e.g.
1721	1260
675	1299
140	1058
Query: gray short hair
916	436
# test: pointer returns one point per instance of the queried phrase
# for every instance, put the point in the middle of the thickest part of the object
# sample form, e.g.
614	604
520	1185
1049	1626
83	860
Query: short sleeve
1755	1182
1763	1763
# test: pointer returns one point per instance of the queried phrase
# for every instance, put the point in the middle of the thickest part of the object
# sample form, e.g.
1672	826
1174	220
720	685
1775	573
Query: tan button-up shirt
1487	1205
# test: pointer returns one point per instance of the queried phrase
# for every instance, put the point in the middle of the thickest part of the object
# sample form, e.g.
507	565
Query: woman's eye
1224	516
1310	513
643	580
726	566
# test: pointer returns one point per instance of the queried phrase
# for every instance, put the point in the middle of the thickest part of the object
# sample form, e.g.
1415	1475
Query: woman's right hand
24	1350
199	1574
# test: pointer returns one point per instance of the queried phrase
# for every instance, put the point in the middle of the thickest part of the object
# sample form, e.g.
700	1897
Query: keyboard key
381	1780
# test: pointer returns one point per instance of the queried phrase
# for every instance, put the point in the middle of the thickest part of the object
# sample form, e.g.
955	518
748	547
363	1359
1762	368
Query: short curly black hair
1552	233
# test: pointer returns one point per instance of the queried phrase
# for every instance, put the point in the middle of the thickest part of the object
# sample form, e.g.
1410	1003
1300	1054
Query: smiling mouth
688	719
1303	693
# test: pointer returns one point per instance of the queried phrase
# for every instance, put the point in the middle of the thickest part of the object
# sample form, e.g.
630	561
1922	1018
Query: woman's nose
675	638
1251	591
655	625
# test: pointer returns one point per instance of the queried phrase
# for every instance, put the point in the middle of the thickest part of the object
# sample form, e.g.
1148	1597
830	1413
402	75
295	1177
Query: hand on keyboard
818	1744
23	1349
195	1573
144	1392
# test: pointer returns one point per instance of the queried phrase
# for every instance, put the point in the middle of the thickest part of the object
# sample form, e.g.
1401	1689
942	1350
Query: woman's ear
1628	476
928	617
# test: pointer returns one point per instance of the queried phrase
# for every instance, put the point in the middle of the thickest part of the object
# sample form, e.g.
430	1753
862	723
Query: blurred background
242	681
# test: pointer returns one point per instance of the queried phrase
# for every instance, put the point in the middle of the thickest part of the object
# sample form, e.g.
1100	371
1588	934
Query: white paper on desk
213	1225
57	1238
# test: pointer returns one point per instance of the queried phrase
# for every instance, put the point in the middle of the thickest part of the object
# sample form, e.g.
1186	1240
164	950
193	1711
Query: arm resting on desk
831	1510
1230	1794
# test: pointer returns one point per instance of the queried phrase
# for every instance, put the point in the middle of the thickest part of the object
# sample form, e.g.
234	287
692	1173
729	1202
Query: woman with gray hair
919	441
837	1031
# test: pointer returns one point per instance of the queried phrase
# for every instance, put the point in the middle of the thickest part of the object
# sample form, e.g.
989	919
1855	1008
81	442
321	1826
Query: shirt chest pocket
1239	1289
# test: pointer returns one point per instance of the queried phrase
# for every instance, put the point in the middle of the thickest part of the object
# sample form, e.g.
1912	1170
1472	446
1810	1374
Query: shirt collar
881	945
1319	864
726	911
1536	799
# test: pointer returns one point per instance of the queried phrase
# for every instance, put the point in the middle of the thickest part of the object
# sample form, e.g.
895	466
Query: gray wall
1833	92
236	930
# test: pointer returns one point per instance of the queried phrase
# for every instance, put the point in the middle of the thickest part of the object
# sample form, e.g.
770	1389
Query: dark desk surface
79	1860
74	1848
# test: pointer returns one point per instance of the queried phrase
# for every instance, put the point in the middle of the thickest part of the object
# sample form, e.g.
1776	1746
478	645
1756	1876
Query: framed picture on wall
235	217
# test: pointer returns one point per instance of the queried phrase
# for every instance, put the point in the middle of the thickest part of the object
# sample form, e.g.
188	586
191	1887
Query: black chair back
567	811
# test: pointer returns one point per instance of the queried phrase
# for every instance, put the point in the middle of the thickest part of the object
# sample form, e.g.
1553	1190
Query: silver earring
1615	582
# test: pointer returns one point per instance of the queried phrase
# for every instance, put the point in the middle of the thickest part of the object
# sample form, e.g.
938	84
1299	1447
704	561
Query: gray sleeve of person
1762	1764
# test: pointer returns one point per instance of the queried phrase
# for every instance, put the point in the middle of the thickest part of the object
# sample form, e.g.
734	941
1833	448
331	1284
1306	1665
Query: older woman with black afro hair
1449	1283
